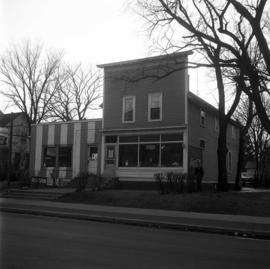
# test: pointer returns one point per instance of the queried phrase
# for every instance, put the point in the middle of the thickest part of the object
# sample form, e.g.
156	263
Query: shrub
80	181
161	182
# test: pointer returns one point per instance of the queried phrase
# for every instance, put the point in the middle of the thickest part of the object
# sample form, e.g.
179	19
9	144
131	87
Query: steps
32	194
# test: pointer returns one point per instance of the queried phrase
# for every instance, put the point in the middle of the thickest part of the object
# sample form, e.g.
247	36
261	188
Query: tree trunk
240	163
222	157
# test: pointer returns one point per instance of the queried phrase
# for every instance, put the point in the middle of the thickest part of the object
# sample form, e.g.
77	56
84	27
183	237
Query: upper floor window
155	107
202	118
128	109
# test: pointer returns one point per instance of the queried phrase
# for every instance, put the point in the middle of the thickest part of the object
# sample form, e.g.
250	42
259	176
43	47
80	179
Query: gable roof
5	119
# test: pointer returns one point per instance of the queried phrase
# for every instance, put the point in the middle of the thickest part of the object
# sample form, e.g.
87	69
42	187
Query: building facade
151	124
65	149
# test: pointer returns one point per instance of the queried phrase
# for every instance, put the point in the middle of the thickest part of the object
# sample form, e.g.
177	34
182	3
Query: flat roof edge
147	59
66	122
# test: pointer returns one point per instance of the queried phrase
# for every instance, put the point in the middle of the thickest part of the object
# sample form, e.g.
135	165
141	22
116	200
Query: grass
236	203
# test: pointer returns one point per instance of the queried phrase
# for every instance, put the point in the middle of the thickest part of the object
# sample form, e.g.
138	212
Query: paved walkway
214	223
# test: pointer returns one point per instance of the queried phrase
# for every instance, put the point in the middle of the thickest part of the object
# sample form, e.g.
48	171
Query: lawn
236	203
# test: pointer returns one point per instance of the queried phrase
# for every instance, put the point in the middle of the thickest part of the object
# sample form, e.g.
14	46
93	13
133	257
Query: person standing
199	173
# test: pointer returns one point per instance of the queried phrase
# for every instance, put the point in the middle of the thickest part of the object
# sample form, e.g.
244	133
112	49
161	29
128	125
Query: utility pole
10	149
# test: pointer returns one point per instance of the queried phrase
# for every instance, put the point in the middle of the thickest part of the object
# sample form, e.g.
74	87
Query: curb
145	223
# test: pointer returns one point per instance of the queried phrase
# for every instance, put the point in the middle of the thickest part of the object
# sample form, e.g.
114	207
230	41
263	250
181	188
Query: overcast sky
88	31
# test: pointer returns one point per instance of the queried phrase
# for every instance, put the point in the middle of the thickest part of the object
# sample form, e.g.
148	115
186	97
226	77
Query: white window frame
149	105
202	112
134	108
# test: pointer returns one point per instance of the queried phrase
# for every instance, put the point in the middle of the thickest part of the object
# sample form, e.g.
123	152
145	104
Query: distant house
151	123
20	143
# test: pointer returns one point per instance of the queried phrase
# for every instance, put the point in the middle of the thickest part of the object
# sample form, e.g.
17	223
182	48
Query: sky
87	31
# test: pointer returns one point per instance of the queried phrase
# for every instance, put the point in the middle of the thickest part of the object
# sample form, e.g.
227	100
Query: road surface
45	242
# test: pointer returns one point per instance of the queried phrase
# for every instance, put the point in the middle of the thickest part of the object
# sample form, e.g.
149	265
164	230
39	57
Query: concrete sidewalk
249	226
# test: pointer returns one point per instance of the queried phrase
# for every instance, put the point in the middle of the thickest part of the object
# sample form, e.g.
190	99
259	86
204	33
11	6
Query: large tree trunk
222	157
240	163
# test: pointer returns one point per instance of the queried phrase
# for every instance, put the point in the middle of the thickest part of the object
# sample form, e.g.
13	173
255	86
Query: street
44	242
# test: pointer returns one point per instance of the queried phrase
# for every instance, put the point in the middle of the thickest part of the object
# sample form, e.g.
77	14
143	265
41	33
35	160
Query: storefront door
92	159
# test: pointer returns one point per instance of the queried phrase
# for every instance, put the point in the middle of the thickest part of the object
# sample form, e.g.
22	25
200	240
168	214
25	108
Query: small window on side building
202	118
202	143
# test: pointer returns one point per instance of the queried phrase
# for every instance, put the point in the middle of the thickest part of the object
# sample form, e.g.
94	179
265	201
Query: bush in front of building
171	182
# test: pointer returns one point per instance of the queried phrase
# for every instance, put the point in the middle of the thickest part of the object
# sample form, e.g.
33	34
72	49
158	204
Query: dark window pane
202	143
128	155
172	137
49	158
93	154
128	116
171	155
111	139
149	155
155	113
127	139
149	138
65	156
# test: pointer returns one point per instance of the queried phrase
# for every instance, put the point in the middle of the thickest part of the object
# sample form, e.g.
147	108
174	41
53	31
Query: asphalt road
42	242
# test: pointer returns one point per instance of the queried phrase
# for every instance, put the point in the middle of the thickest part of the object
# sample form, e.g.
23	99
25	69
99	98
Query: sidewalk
249	226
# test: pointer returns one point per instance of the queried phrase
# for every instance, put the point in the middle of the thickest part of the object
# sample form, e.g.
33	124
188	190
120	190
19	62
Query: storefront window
49	159
155	150
128	155
149	155
171	155
64	156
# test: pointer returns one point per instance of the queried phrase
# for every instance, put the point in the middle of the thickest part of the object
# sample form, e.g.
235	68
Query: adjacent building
19	142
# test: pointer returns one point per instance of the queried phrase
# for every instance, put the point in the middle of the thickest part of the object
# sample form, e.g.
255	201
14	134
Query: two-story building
152	123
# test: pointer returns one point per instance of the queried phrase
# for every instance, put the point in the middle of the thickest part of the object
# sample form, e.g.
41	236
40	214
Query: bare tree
200	27
77	93
29	77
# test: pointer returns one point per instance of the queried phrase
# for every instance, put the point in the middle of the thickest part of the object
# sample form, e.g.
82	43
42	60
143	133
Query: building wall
210	135
117	85
78	134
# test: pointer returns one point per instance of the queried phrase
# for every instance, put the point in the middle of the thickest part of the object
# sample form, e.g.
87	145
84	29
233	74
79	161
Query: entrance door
110	160
92	159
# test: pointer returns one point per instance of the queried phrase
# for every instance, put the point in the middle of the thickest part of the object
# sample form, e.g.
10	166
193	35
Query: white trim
150	95
133	105
38	149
